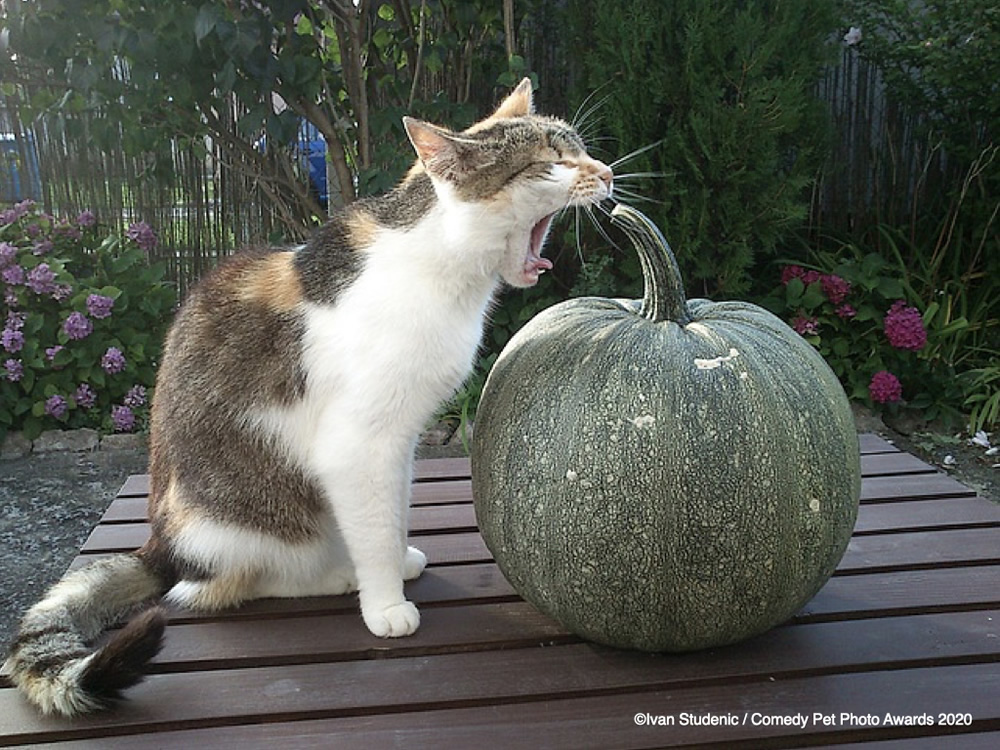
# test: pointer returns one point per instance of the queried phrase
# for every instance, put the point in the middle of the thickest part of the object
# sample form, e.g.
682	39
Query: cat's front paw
413	564
393	621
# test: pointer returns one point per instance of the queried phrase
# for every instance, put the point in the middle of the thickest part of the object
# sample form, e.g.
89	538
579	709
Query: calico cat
292	390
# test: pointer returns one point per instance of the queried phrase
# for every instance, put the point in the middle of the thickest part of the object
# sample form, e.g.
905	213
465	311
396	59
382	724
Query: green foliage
163	75
983	400
941	60
936	56
725	89
842	305
84	320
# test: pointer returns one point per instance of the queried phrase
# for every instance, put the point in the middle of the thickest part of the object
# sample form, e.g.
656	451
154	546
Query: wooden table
909	627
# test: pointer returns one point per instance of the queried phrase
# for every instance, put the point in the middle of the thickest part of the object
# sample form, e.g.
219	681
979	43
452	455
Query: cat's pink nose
604	174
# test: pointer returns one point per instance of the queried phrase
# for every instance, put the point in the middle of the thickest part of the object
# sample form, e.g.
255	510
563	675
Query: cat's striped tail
51	662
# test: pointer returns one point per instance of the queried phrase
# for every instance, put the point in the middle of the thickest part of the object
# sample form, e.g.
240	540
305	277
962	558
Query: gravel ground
49	503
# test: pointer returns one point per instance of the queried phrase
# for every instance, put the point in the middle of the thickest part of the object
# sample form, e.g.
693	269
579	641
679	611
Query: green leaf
793	292
386	12
891	289
110	291
33	426
813	296
382	38
208	17
28	380
304	25
23	406
33	324
433	62
123	262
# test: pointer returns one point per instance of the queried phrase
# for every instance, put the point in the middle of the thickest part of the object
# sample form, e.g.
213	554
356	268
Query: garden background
833	160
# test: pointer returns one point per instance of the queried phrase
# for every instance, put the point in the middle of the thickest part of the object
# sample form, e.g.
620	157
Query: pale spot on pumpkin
646	420
814	505
571	476
714	362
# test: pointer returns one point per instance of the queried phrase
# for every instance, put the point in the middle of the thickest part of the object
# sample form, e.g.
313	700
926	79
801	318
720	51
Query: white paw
394	621
413	564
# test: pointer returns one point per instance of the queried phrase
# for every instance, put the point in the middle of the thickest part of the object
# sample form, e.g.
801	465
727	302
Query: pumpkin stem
663	296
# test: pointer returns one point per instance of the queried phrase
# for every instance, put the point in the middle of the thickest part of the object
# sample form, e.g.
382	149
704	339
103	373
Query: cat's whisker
597	225
577	232
634	196
638	152
580	118
642	175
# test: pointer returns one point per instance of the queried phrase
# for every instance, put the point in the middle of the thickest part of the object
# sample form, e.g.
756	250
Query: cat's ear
442	153
518	103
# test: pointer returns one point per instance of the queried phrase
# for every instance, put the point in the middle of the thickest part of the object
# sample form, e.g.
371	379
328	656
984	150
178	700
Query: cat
291	394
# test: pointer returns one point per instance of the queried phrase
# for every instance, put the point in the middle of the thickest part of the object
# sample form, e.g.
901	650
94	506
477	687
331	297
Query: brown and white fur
292	390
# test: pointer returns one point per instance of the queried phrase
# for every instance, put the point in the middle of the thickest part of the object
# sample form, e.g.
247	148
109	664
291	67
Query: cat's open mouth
534	264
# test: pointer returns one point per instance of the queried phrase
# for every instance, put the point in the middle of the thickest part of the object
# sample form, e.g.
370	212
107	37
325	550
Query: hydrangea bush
84	315
856	313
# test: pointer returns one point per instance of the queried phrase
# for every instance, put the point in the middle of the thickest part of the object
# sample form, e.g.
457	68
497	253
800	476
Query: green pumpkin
663	474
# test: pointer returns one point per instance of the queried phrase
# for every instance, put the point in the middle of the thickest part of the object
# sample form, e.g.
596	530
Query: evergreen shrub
726	90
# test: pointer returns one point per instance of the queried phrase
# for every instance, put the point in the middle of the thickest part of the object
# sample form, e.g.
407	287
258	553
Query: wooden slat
926	514
905	592
885	464
871	443
510	626
344	637
912	487
487	678
924	549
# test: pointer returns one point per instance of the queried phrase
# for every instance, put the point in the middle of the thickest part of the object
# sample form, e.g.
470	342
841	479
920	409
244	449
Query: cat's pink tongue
534	264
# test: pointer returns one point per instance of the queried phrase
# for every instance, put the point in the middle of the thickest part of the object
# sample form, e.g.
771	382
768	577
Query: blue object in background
312	148
19	174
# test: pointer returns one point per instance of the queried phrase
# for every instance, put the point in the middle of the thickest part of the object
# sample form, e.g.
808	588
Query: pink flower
41	279
904	327
15	369
835	288
805	326
791	272
142	235
846	312
77	326
811	277
85	396
122	418
113	360
99	306
885	388
56	406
